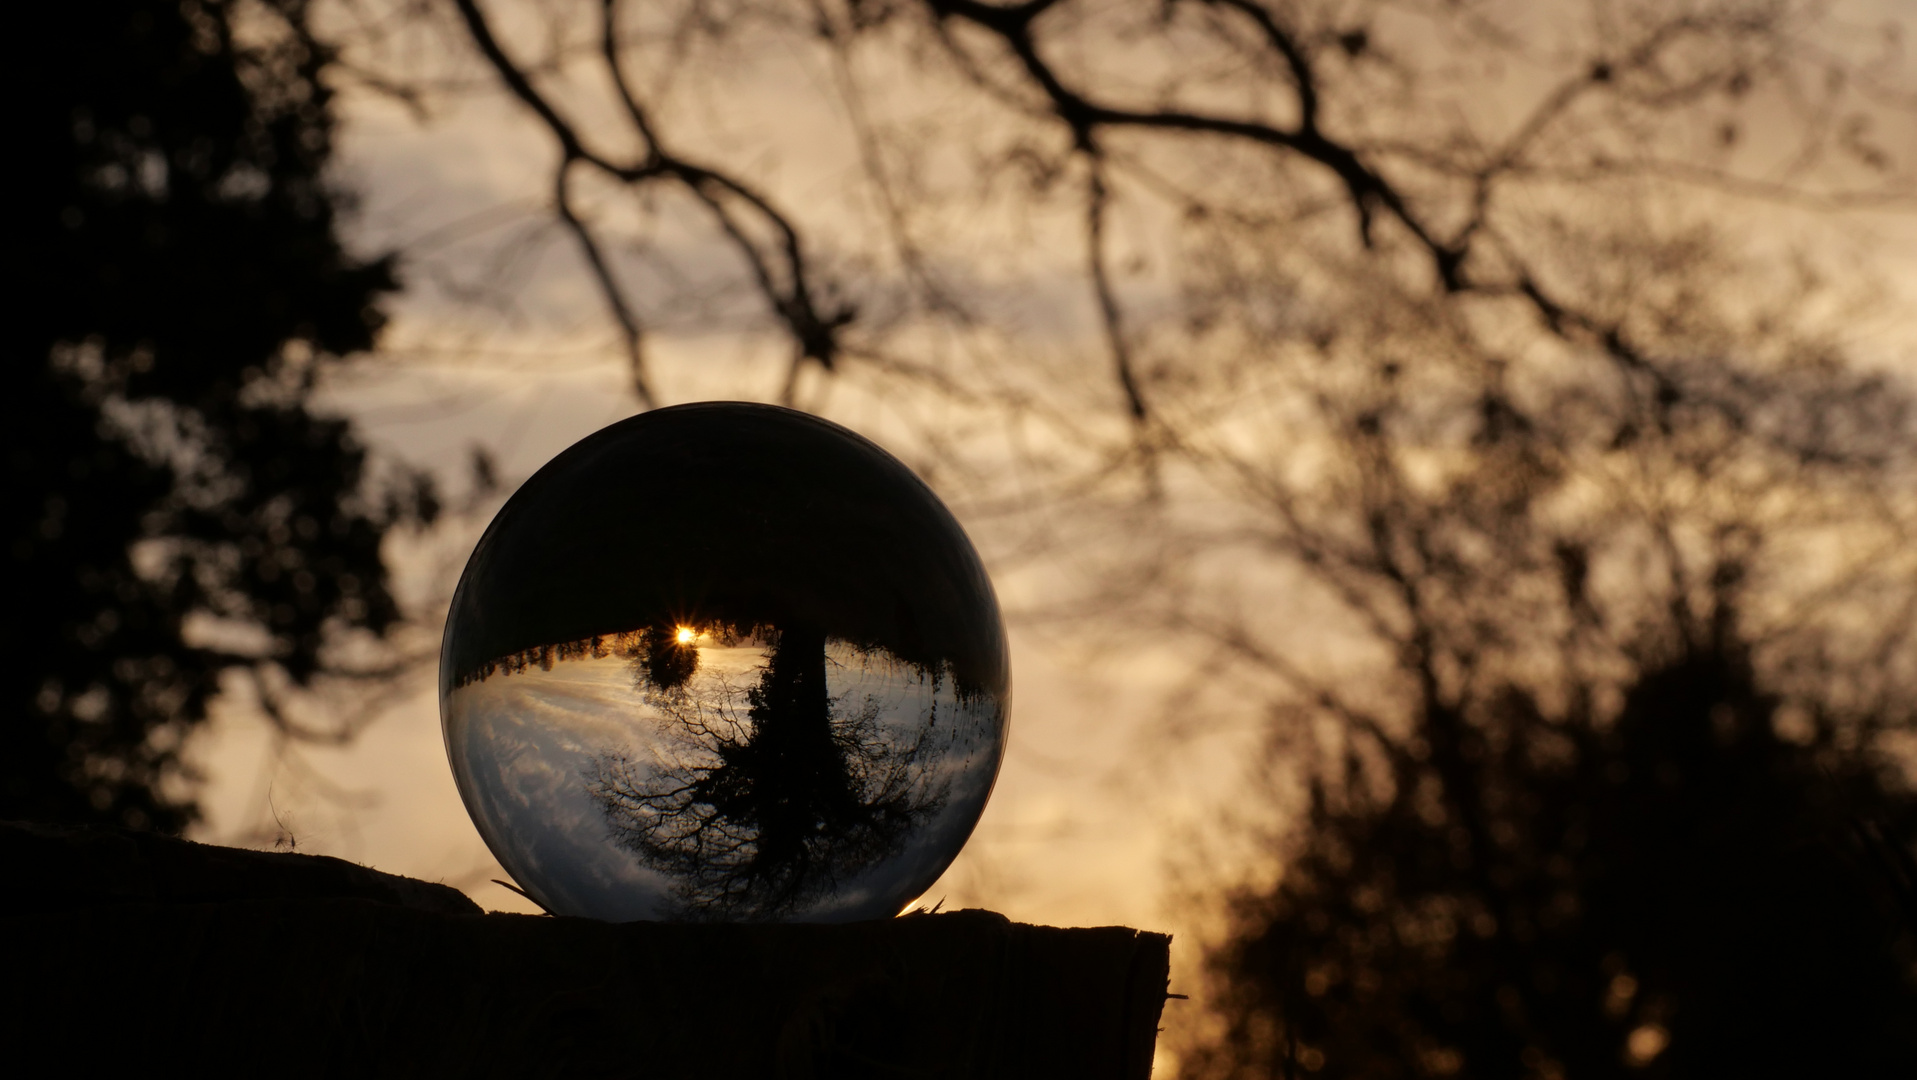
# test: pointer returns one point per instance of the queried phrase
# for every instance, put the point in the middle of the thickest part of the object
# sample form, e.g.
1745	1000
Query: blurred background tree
175	510
1625	787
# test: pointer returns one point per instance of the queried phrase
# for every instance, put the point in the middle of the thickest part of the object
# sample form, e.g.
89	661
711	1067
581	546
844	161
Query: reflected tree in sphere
774	804
725	661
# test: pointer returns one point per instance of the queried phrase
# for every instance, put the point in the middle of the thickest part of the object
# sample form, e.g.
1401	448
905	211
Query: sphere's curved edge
693	519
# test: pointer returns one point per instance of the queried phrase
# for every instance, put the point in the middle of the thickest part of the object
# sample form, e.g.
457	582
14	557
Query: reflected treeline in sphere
724	661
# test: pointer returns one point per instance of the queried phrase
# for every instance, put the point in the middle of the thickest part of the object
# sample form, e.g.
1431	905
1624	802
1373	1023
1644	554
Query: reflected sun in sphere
793	711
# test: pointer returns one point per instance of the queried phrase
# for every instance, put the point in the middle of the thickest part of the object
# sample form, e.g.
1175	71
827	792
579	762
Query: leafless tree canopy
775	793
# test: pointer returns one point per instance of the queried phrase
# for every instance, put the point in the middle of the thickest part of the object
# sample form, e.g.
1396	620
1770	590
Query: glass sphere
724	662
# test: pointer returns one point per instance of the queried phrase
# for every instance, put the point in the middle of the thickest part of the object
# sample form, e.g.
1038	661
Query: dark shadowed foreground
308	965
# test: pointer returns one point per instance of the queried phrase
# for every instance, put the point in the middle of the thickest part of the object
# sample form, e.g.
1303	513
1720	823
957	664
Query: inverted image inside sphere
724	661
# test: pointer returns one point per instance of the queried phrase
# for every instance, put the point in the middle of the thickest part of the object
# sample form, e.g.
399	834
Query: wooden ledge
186	955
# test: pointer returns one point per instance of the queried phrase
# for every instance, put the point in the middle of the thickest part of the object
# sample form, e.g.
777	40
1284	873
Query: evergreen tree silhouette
180	282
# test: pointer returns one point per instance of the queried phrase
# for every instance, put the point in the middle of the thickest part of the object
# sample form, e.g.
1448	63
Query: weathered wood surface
190	956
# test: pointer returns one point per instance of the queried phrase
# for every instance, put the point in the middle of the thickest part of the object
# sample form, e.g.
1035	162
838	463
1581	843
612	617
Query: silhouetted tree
1678	892
765	812
1604	781
174	509
666	661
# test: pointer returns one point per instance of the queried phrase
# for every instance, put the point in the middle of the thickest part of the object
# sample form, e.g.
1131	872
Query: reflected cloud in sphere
724	662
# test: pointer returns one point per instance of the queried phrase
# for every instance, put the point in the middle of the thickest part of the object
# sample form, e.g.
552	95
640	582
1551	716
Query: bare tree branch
781	270
1109	313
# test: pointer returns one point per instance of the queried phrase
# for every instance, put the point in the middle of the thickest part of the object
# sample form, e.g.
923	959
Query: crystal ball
724	662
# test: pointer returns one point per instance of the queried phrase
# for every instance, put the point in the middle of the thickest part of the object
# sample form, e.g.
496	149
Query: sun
686	635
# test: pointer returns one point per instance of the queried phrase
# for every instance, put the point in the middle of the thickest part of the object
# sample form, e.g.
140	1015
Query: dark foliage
668	663
1678	892
179	283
